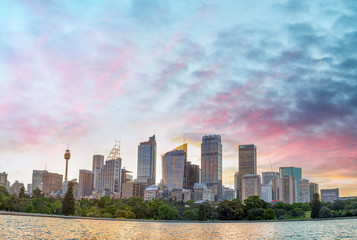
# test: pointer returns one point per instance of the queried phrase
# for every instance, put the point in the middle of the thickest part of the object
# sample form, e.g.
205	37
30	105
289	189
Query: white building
151	193
251	186
267	192
304	190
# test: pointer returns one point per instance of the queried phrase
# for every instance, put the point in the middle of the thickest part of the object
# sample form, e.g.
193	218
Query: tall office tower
29	188
287	189
267	192
109	178
330	195
236	184
314	188
294	172
251	186
147	161
3	179
37	179
271	178
98	162
52	182
125	177
67	156
211	163
247	163
193	174
85	183
174	168
304	190
15	188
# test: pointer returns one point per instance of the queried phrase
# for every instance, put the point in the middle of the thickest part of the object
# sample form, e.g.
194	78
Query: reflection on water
24	227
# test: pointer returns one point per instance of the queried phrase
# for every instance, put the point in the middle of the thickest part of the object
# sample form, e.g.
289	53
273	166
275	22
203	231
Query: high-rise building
85	183
247	164
174	168
98	162
52	183
271	178
236	184
330	195
3	179
314	188
304	190
109	178
37	179
287	189
211	163
147	161
294	172
251	186
267	192
133	189
15	188
125	177
29	188
193	174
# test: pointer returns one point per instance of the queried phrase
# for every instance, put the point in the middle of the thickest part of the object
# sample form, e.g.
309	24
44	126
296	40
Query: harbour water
28	227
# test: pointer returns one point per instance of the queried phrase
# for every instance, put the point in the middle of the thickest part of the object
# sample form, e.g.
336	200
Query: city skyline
85	73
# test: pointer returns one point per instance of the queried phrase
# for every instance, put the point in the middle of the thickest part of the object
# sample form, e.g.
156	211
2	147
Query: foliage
167	212
252	202
37	193
325	213
191	214
269	214
153	208
230	210
255	214
69	202
315	206
297	212
202	213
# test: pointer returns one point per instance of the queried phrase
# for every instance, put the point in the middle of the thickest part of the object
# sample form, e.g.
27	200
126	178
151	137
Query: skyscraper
287	189
211	163
193	174
304	190
294	172
147	161
98	162
251	186
174	165
52	182
85	183
314	188
37	179
109	177
3	179
272	178
247	163
67	156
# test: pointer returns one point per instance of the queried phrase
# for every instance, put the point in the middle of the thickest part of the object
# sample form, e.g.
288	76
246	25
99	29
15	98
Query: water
25	227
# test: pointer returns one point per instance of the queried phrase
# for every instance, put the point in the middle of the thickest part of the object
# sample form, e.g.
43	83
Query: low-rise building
133	189
330	195
15	188
151	193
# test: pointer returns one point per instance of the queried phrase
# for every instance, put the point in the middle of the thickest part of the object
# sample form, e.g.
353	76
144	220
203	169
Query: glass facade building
174	169
109	177
293	172
37	179
247	164
147	161
211	163
98	162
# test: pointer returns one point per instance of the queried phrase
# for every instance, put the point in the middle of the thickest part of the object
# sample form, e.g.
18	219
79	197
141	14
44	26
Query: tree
167	212
140	210
269	214
297	212
153	207
22	192
315	206
230	210
37	193
191	214
325	213
252	202
202	213
69	202
255	214
29	208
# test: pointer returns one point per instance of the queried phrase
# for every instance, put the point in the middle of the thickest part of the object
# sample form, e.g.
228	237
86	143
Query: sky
279	74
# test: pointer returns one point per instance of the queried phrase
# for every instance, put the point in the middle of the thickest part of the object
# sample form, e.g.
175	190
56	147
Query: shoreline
166	221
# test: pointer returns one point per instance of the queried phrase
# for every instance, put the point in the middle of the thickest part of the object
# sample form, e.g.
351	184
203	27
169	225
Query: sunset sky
279	74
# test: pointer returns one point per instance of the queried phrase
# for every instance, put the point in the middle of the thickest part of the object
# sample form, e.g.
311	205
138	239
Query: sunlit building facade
314	188
174	168
294	172
109	177
304	190
287	189
211	163
271	178
98	162
52	183
193	174
147	161
247	164
37	179
85	187
251	186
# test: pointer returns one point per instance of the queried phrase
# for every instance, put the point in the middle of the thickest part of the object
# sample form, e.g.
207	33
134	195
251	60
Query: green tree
153	207
29	208
325	213
56	207
191	214
230	210
202	213
269	214
252	202
37	193
315	206
167	212
110	209
140	210
297	212
69	202
255	214
22	192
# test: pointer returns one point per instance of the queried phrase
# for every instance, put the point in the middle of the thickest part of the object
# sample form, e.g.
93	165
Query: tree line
252	208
